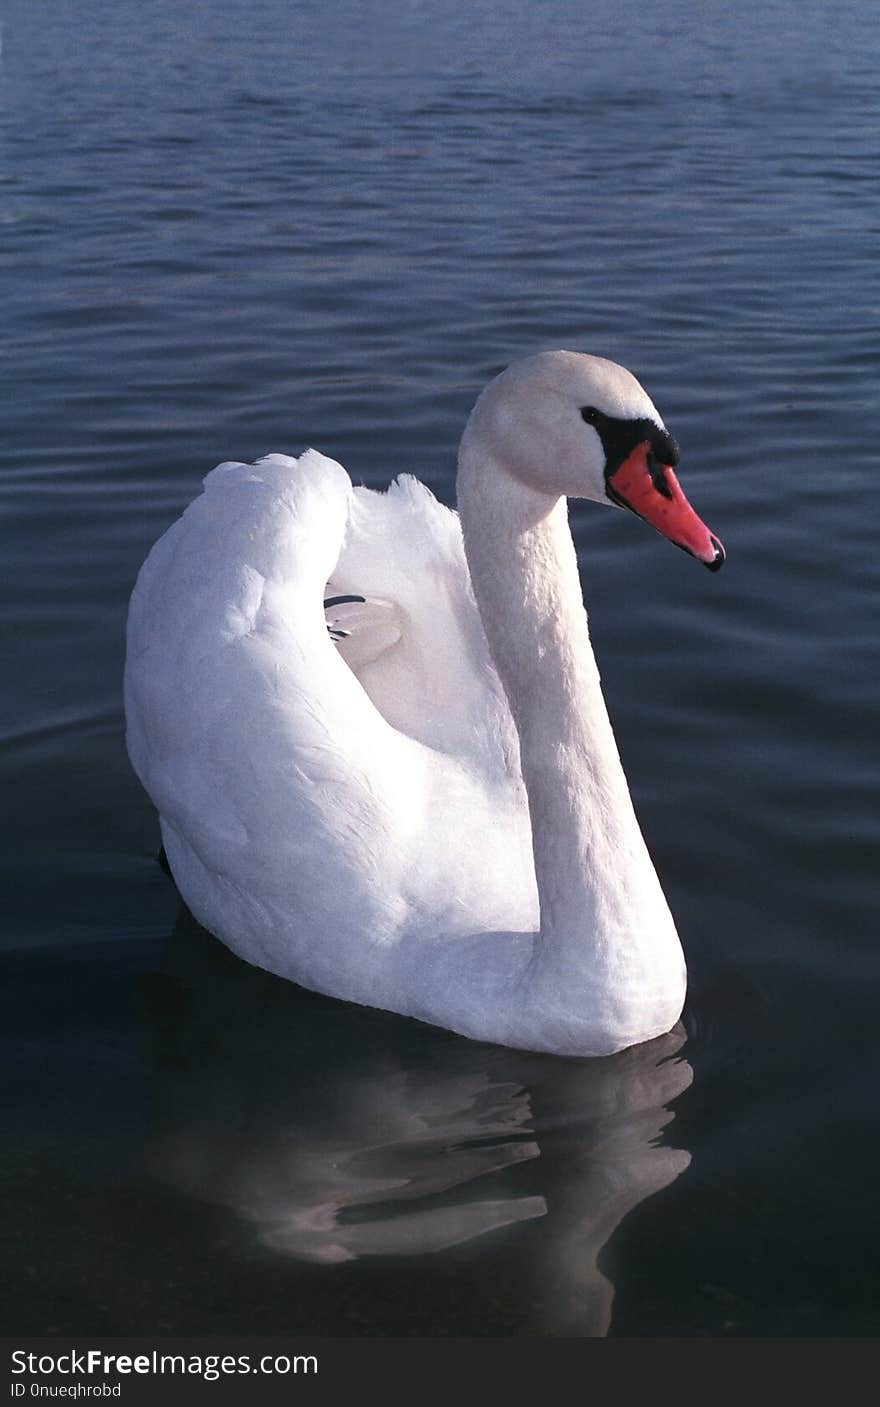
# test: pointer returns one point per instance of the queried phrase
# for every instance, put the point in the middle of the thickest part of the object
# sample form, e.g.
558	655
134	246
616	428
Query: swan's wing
312	815
403	556
362	628
272	771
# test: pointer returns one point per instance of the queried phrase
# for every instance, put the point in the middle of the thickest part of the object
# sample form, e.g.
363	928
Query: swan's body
425	812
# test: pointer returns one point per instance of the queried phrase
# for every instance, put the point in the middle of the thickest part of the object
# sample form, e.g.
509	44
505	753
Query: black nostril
657	472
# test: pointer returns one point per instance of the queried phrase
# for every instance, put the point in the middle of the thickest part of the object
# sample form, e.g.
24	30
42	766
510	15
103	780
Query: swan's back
438	685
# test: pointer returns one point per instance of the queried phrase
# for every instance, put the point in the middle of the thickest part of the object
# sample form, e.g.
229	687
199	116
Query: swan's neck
596	883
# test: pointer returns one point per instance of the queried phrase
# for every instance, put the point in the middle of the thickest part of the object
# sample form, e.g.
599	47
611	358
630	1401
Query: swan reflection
338	1132
364	1185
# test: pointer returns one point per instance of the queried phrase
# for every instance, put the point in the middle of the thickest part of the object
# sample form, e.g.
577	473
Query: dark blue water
242	227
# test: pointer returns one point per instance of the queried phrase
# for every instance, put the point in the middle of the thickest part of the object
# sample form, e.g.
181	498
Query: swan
374	731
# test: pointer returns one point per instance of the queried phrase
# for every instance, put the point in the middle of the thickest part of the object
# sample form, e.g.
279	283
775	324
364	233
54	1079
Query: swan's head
566	423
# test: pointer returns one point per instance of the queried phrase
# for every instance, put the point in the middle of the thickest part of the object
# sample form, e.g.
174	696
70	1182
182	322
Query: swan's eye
590	415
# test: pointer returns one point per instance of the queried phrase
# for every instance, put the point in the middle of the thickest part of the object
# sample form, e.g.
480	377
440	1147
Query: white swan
425	811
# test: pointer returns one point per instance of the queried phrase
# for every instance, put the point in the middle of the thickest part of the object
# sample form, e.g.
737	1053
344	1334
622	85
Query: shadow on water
195	1146
336	1133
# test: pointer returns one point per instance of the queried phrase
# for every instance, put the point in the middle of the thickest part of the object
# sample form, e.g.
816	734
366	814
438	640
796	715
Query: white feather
356	818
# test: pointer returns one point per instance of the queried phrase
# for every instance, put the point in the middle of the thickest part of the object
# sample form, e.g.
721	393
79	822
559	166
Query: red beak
652	491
